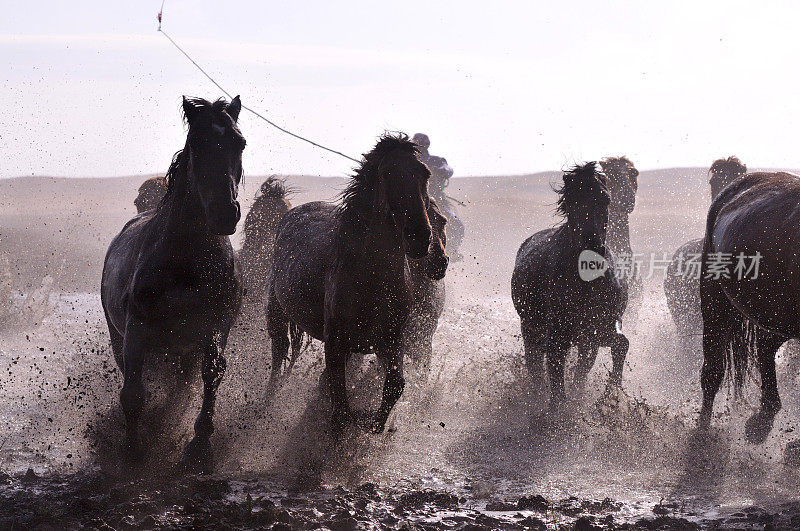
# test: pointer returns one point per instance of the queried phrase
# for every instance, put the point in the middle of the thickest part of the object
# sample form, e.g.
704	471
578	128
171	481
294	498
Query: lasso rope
270	122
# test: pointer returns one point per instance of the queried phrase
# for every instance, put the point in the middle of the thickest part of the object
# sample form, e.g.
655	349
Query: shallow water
468	444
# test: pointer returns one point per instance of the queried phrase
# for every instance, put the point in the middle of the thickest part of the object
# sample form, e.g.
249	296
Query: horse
622	179
426	275
270	204
441	173
429	292
171	282
557	307
150	194
340	274
682	278
750	315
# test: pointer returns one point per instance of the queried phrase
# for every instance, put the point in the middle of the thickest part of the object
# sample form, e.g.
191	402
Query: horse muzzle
436	267
224	218
417	244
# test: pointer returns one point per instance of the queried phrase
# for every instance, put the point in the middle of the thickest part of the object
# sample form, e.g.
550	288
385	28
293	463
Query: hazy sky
89	88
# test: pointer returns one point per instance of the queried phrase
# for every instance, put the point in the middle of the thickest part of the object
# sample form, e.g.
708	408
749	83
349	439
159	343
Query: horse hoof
556	407
378	423
339	423
198	457
791	454
704	421
757	427
134	451
613	386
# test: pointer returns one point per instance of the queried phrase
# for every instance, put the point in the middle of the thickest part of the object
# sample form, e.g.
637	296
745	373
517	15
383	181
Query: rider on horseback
439	180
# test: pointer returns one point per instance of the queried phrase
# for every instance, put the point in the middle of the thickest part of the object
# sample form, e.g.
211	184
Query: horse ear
233	108
189	110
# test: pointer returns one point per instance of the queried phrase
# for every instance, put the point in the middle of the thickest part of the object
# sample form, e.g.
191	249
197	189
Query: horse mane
360	191
156	180
583	183
731	167
613	163
273	189
178	169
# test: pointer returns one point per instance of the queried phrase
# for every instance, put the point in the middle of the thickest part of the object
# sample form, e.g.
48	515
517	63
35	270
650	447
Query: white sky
90	89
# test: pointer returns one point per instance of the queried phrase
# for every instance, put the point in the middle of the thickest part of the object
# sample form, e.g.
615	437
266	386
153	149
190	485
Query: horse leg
759	425
430	322
418	335
716	329
117	342
132	395
198	455
392	360
556	358
619	351
534	357
587	354
278	330
336	372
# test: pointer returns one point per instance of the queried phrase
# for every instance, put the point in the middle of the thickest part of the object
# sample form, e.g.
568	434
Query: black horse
622	180
340	273
171	281
427	286
682	279
557	307
260	224
748	312
150	194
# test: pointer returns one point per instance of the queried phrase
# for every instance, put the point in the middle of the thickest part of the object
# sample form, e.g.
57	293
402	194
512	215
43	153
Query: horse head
402	186
151	192
215	146
723	172
583	200
622	179
437	260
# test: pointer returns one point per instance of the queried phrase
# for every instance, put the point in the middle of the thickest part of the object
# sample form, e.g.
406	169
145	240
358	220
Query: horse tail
299	340
741	334
741	348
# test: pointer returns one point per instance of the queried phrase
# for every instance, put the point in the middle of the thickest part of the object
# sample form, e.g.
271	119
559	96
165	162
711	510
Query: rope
270	122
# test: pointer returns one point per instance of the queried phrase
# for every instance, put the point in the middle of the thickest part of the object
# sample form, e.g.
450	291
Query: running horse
427	286
682	278
150	194
340	273
271	203
749	313
557	307
171	282
622	179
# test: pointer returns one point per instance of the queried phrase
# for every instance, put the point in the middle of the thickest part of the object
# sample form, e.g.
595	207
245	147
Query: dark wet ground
92	501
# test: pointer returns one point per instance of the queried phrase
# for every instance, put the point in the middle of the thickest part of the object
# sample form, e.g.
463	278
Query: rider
440	178
440	170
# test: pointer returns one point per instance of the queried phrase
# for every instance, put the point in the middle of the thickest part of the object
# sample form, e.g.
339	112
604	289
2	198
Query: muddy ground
468	446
